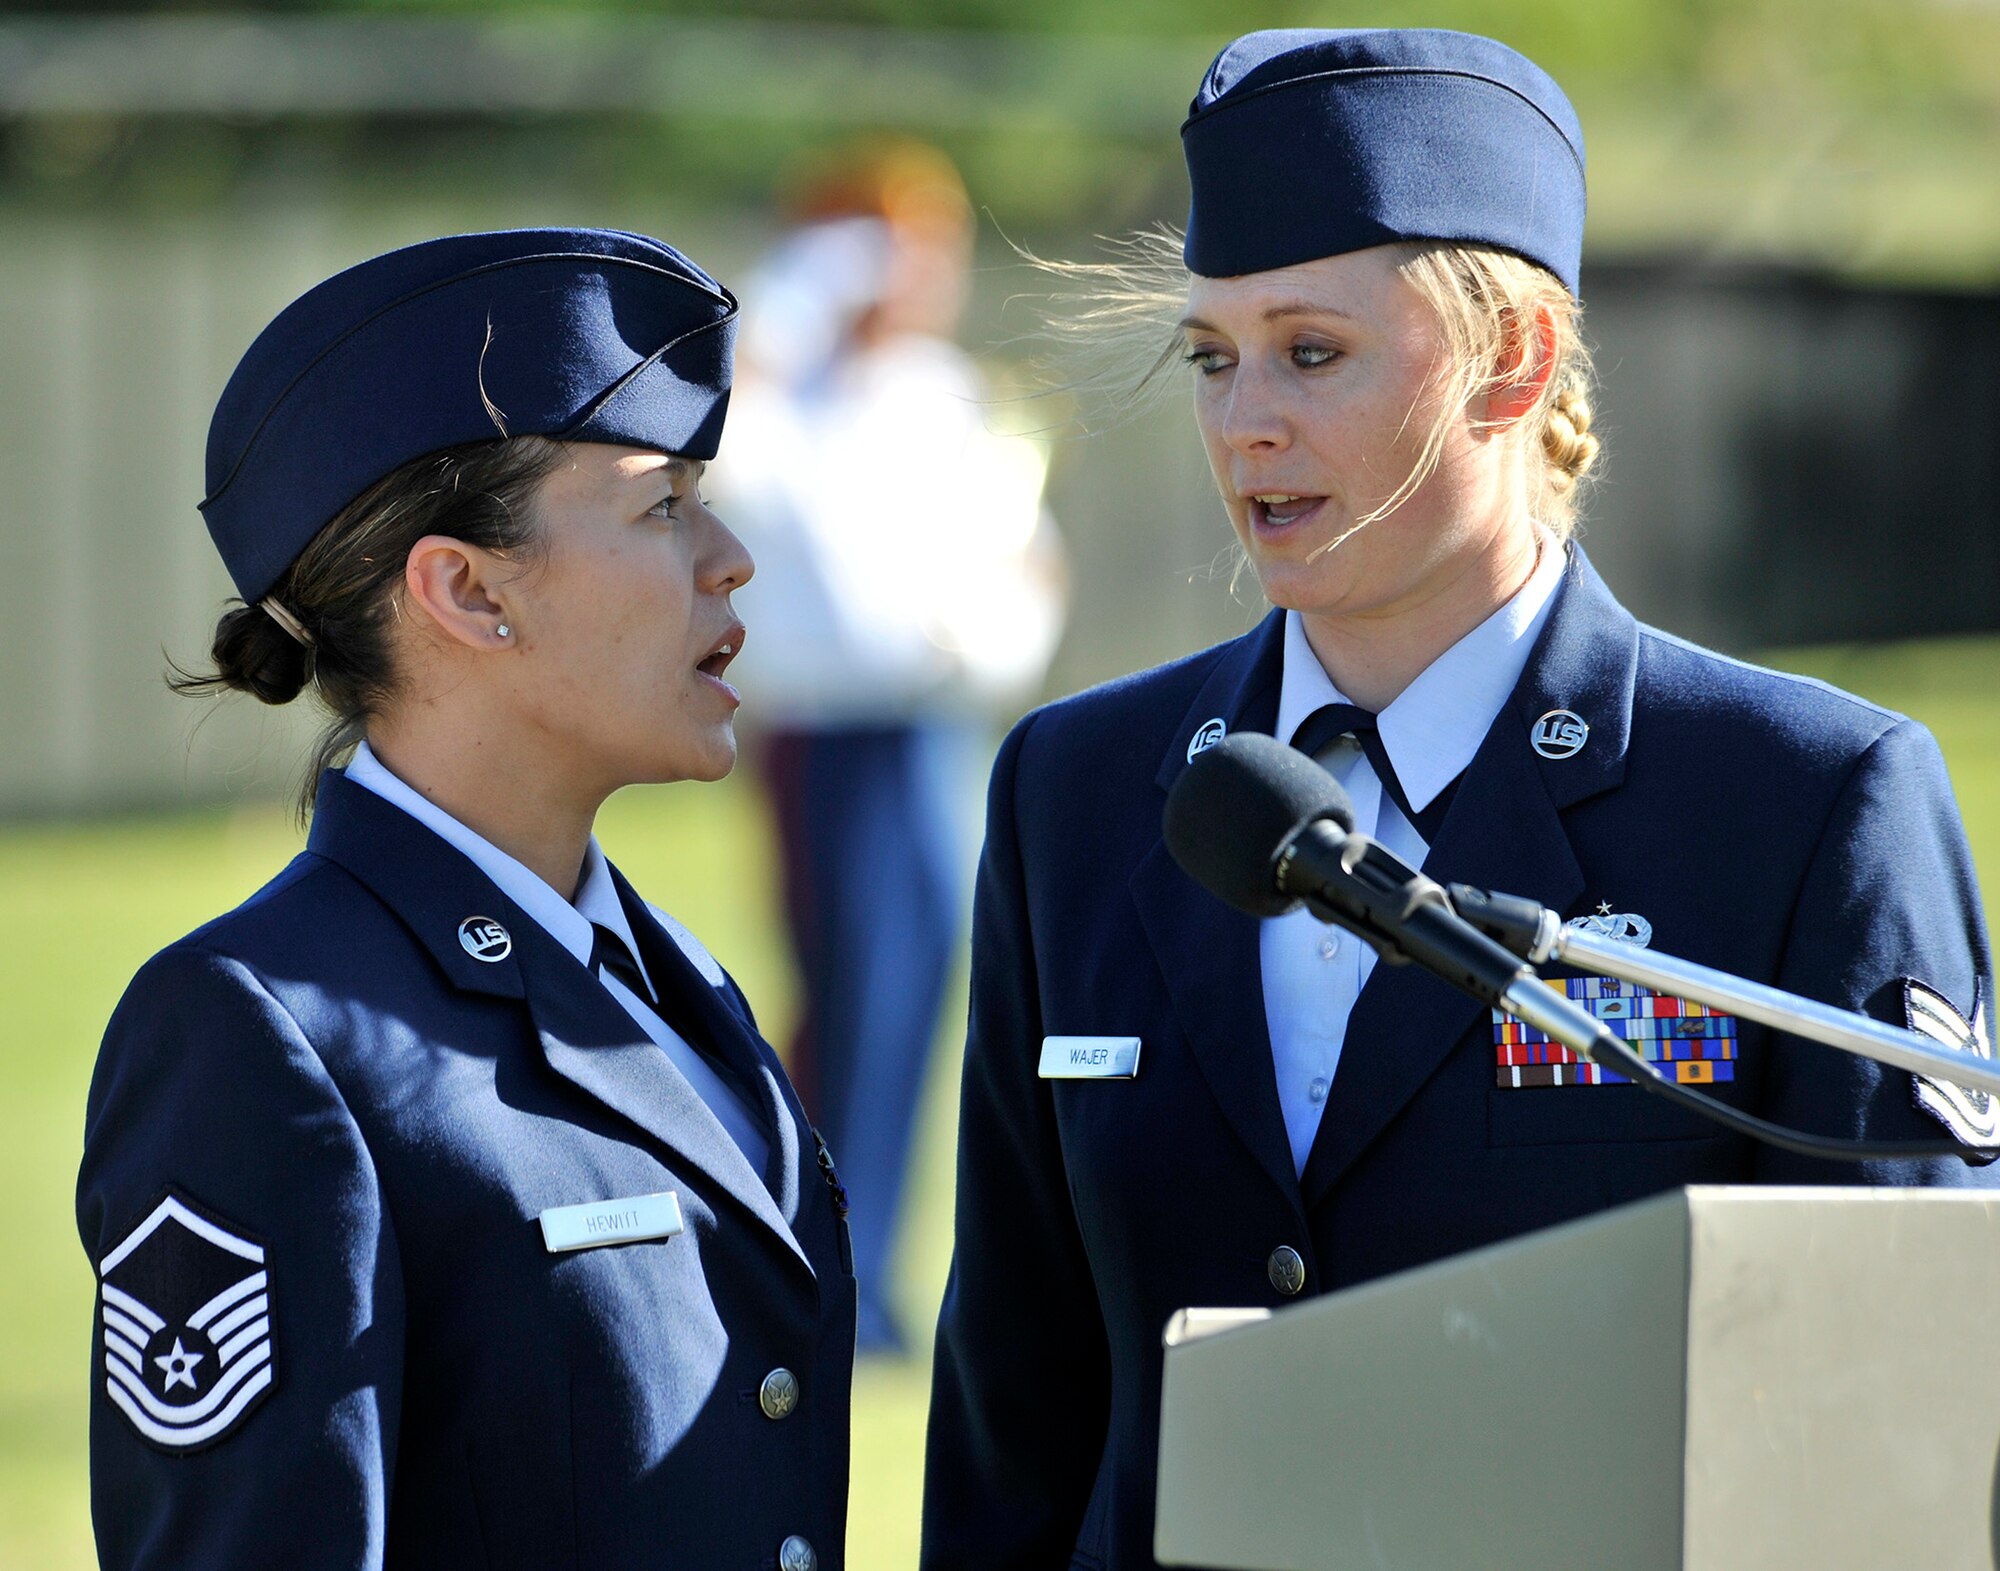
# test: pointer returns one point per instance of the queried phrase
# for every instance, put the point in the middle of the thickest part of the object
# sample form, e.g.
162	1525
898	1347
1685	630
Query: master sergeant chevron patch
185	1310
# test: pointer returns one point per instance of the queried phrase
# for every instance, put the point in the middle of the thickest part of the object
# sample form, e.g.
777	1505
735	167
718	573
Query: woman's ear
1527	362
457	587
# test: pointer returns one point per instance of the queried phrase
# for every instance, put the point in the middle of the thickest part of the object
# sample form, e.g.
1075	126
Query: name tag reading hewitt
1090	1057
629	1221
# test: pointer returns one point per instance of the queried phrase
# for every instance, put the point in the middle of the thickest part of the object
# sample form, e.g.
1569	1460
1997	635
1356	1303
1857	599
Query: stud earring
503	630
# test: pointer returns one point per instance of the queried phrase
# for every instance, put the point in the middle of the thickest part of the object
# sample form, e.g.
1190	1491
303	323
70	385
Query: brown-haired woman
447	1207
1169	1103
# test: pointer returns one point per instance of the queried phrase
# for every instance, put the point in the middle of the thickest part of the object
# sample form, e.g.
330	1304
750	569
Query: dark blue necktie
1329	721
609	954
610	957
676	1002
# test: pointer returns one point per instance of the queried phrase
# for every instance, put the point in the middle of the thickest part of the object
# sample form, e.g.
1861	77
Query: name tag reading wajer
633	1220
1090	1057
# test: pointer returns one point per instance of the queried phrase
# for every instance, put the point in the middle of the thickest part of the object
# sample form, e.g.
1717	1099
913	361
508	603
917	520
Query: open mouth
716	661
1281	509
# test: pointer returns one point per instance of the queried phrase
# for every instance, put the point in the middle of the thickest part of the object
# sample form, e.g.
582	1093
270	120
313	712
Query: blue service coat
358	1123
1765	824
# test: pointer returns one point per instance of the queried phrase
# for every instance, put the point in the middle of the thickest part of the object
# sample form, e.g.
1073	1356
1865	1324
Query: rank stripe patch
119	1299
245	1340
179	1418
1972	1115
179	1437
200	1226
249	1309
118	1347
255	1283
189	1315
133	1333
1690	1042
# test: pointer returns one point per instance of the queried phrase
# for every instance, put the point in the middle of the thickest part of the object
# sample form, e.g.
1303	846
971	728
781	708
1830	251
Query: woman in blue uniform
446	1205
1379	317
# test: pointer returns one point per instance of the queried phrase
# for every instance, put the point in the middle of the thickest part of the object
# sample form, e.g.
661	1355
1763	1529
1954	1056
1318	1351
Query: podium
1716	1379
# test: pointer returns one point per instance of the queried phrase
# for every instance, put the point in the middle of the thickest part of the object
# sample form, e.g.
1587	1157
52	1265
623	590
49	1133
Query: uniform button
778	1395
795	1554
1329	946
1318	1089
1286	1270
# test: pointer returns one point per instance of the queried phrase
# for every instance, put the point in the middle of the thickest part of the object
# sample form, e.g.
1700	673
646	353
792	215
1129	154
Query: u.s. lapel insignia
1206	735
485	939
1625	926
185	1308
1560	733
1969	1113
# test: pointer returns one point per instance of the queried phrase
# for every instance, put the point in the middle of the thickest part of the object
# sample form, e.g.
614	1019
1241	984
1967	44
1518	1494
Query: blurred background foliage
1856	134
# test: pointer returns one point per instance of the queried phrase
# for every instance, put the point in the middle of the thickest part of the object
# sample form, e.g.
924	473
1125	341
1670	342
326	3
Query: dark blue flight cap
1309	143
587	335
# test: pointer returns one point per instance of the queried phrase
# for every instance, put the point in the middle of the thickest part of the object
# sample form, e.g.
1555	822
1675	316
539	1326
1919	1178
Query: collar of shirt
569	925
1436	724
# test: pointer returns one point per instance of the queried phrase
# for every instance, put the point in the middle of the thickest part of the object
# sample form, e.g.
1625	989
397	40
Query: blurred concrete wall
114	340
1789	461
116	337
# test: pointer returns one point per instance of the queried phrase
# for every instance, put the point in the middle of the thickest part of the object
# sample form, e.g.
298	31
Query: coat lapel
1504	832
1208	953
700	985
590	1041
429	884
586	1037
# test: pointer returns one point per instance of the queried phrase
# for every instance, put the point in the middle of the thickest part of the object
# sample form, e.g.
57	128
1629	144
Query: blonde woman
1380	323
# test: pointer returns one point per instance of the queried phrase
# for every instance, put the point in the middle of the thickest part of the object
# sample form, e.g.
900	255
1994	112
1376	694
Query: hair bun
254	655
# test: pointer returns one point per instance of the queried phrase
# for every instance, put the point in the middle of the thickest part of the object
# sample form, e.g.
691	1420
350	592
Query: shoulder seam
256	981
1196	665
1826	824
1853	700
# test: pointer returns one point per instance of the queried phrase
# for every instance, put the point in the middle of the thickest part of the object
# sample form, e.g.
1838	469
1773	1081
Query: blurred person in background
1376	304
446	1206
912	590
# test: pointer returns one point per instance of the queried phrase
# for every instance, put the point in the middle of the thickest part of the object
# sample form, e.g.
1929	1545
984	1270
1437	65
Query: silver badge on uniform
1969	1113
1206	735
485	939
1626	926
1560	733
1090	1057
185	1307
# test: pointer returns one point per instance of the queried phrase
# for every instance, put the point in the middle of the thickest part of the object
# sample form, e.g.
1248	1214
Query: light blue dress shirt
1313	971
570	925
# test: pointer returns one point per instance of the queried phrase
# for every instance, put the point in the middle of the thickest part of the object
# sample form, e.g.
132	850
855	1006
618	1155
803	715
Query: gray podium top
1717	1379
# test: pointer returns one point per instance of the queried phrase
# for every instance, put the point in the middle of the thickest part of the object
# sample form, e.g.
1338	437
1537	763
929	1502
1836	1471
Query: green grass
81	906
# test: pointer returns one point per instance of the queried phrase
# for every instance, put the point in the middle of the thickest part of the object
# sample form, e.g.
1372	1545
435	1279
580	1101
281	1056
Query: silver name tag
628	1221
1090	1057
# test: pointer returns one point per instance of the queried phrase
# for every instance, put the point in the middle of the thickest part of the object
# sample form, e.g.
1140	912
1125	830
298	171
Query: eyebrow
1272	313
676	471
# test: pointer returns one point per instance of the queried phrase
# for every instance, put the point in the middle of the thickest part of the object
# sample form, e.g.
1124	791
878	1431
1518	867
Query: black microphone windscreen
1237	806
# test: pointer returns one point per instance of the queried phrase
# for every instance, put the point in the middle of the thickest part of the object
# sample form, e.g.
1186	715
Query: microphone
1263	827
1236	808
